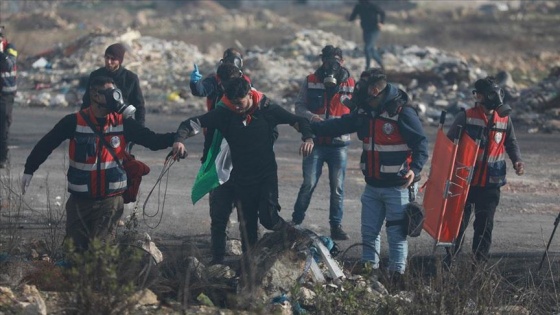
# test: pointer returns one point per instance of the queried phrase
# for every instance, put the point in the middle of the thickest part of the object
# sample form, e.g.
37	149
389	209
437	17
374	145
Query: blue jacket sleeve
346	124
413	133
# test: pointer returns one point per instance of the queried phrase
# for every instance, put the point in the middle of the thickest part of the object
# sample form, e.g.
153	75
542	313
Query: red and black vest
8	71
319	104
490	167
93	173
386	156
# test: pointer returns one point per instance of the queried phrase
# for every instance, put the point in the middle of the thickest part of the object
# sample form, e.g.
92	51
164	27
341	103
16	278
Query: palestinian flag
215	170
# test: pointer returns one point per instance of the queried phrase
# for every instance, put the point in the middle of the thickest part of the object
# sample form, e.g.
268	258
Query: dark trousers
256	203
6	106
222	200
484	200
87	219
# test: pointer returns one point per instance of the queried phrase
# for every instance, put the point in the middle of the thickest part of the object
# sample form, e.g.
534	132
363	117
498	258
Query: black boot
218	247
338	234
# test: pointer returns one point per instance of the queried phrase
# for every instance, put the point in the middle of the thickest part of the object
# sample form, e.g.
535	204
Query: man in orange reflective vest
394	153
489	119
322	97
96	181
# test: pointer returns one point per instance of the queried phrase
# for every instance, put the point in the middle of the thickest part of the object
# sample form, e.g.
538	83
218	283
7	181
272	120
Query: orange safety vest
385	151
318	103
93	173
490	167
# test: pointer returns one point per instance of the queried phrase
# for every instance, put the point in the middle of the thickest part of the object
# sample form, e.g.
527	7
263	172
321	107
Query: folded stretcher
447	186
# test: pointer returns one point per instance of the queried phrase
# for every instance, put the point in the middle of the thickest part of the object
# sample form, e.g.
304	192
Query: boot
218	247
338	234
397	281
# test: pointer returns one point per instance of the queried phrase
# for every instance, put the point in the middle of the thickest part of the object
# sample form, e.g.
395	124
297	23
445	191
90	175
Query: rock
144	297
233	248
36	302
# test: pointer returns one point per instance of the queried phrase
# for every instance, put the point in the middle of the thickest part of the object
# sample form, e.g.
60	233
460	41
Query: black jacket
370	15
127	81
251	144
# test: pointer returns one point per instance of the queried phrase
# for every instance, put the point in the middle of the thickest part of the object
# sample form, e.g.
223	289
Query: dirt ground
529	205
524	220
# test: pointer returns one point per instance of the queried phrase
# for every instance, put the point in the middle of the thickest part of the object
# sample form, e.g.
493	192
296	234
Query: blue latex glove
195	75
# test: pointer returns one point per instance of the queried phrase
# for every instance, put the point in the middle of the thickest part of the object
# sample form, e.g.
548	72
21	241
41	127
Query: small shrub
99	286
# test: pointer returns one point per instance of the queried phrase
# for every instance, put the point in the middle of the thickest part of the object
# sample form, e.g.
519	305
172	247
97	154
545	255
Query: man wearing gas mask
323	96
96	181
488	119
394	153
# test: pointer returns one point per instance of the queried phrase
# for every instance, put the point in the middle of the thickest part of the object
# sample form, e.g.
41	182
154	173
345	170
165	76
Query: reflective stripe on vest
329	110
385	152
8	76
490	167
93	173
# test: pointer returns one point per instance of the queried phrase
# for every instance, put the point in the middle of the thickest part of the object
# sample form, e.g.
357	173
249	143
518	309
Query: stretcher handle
442	118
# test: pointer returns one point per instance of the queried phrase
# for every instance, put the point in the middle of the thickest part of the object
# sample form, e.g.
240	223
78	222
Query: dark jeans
254	203
6	106
222	200
485	200
312	167
370	38
87	219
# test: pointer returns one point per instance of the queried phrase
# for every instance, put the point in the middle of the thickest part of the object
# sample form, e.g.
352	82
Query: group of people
330	107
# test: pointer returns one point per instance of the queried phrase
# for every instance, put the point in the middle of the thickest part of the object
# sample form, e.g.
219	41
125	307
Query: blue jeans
312	166
370	37
380	204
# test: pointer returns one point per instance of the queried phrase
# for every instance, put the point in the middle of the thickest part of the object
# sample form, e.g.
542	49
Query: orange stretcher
447	186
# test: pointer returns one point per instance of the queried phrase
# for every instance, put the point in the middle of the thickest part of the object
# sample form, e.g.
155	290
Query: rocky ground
433	51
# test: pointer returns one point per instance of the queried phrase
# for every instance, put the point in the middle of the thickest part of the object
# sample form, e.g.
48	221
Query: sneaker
295	224
337	233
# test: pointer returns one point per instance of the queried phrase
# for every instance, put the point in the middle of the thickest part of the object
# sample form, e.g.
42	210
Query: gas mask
331	68
233	59
115	103
494	100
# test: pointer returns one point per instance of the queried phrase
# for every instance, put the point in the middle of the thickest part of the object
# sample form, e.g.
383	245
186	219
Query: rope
169	161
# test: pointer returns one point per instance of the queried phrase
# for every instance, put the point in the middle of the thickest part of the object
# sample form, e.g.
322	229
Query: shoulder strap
102	139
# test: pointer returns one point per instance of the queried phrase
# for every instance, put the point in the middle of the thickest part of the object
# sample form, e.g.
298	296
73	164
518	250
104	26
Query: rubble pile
539	105
435	79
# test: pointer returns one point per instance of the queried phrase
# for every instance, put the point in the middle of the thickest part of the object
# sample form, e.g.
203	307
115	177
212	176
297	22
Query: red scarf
257	97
